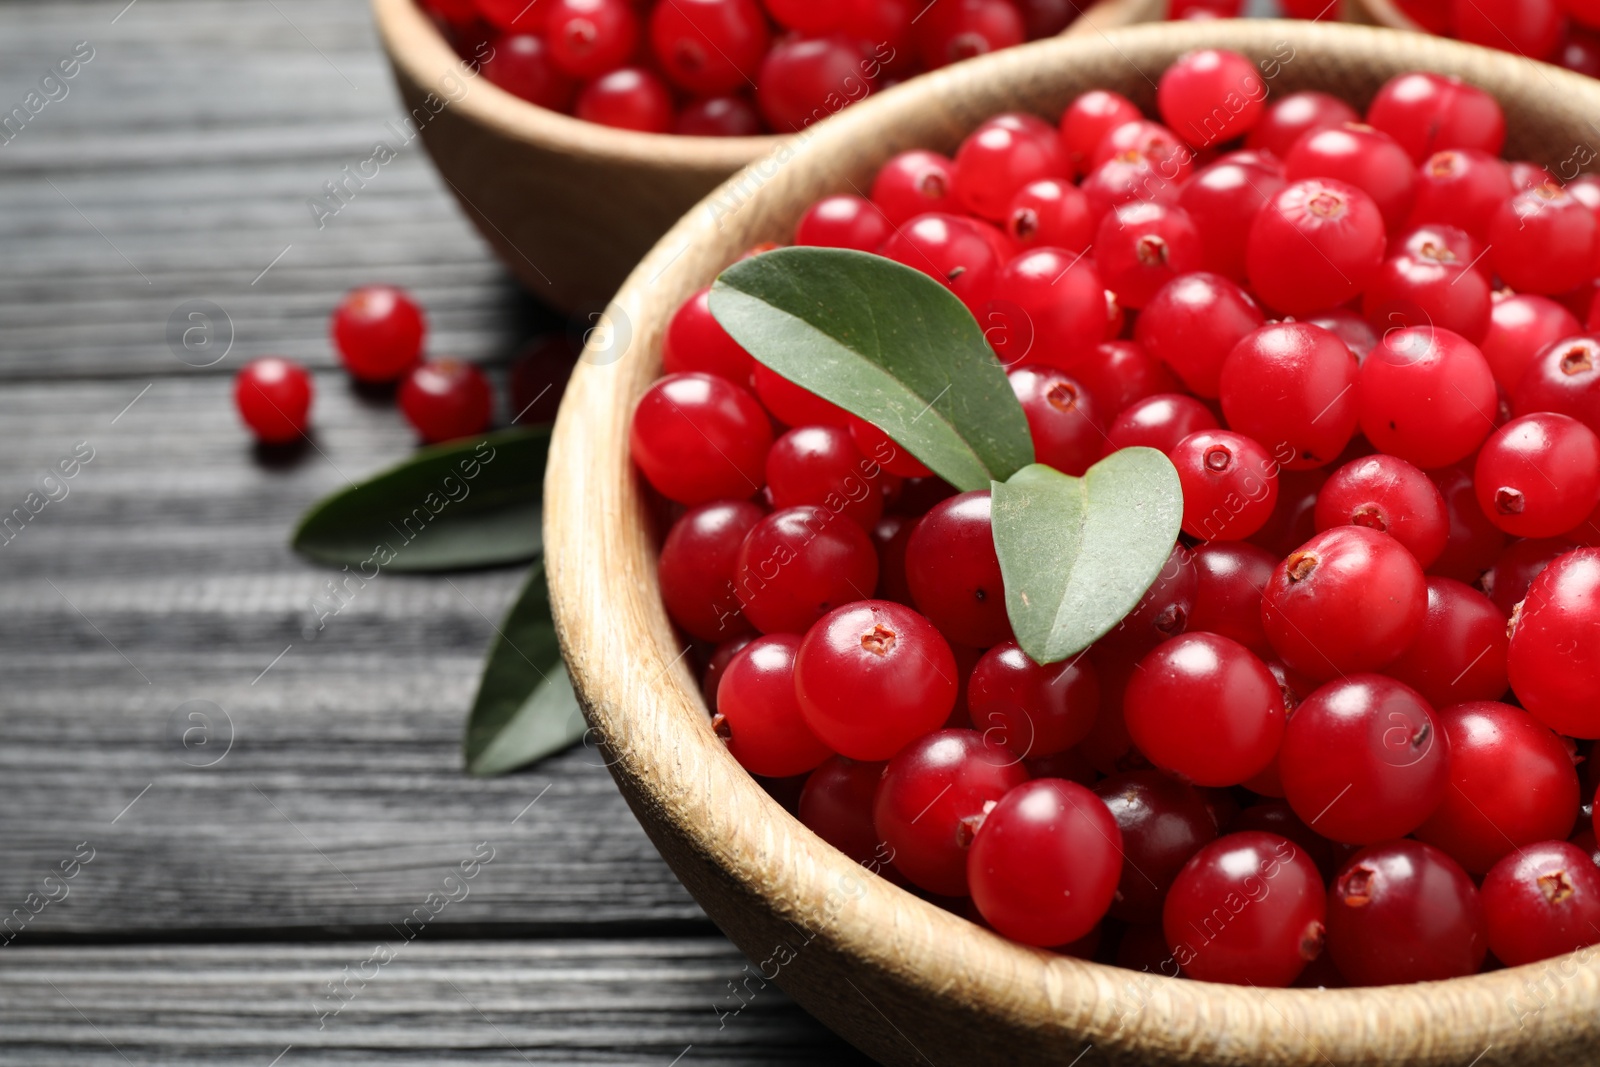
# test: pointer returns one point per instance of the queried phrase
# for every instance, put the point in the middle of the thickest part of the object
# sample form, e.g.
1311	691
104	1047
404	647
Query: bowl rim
639	695
413	41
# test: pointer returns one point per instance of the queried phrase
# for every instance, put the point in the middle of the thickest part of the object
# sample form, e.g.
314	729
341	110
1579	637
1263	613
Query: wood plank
164	577
468	1002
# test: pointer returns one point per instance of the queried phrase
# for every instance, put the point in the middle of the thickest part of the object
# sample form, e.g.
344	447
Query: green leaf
525	708
884	342
1078	553
473	503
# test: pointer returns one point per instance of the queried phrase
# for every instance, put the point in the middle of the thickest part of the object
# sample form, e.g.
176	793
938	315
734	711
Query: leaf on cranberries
1077	554
525	708
470	503
886	343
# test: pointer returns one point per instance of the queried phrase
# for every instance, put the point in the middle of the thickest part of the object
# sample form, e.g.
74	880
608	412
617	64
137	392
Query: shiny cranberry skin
843	222
1350	599
1513	572
1193	322
446	398
1167	152
916	183
697	568
952	250
1539	475
1230	484
1289	386
954	572
1530	28
1049	306
717	666
1223	200
804	79
1089	118
629	98
1276	817
588	38
1118	374
1246	909
962	29
1142	246
1426	395
709	47
836	804
1429	112
521	64
1522	326
822	465
758	716
1362	156
1231	576
872	676
1542	901
273	396
1474	541
1554	658
933	799
1159	422
1061	418
1205	708
377	331
1423	291
1401	912
1209	96
791	404
699	438
1163	822
1045	863
1564	378
1131	177
1003	155
1443	244
1542	240
696	341
1162	613
1050	213
1032	710
1363	760
1460	652
718	116
1348	326
1313	246
1387	494
1460	187
798	564
1512	784
1292	117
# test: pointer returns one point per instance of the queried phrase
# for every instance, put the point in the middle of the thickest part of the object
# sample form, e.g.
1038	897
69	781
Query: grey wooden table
236	887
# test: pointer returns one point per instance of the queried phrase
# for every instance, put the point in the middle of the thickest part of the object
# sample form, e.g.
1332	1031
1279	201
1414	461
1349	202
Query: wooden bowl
899	977
1379	13
569	206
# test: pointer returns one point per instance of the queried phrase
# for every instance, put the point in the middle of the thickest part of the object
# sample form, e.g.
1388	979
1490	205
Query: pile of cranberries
1343	738
1556	31
378	332
726	68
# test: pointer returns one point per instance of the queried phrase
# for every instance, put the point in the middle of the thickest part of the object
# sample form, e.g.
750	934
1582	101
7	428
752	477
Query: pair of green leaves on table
884	342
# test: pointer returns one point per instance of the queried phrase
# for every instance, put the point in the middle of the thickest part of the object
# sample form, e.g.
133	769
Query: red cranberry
1045	863
954	572
915	183
1461	187
798	564
1033	710
521	64
1193	322
699	438
1521	327
1289	385
1429	112
1315	245
1426	395
805	79
758	715
934	796
378	331
1003	155
1362	156
588	38
709	47
1387	494
1539	475
697	566
1231	576
1403	911
836	804
1141	246
1554	658
1061	418
873	676
446	398
1210	96
629	98
1223	199
273	396
1542	240
1565	378
1460	652
1118	374
1542	901
1164	822
695	341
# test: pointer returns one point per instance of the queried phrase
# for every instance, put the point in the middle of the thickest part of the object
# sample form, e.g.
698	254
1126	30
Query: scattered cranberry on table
273	396
1344	736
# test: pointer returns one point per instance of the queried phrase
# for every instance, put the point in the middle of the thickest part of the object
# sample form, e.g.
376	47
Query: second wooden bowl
569	206
901	978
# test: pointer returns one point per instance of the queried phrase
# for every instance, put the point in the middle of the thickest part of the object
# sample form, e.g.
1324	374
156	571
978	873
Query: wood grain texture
545	188
901	978
444	1005
190	144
